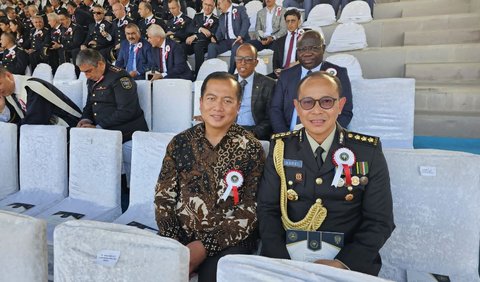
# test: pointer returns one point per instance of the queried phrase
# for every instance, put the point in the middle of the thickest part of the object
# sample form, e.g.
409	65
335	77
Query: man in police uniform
71	39
112	101
298	191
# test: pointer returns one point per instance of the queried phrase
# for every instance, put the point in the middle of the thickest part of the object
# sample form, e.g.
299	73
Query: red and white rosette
167	50
152	21
234	12
234	179
332	71
279	10
343	159
124	22
139	45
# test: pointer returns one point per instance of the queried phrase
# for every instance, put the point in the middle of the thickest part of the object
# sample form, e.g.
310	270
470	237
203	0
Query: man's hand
239	40
198	254
56	45
133	73
104	33
29	51
205	31
169	33
267	41
85	123
213	40
117	46
83	47
330	262
277	72
156	76
93	42
190	39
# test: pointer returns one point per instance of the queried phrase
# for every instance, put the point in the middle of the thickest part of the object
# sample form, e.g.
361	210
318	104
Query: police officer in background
303	190
71	39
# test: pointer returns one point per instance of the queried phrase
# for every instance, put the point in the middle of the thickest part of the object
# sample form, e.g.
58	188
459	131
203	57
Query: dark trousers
207	271
215	49
258	44
199	48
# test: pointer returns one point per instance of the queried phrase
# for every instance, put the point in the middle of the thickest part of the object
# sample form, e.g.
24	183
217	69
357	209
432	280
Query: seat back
123	253
171	105
191	12
148	151
347	37
435	203
197	86
209	66
144	89
9	163
43	159
43	71
321	15
95	165
252	8
73	89
65	71
24	248
356	12
349	62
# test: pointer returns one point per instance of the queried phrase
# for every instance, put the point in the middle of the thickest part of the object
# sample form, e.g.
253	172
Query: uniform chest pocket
102	95
295	178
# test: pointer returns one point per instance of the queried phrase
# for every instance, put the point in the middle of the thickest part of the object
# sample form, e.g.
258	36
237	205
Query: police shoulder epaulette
115	69
362	138
285	134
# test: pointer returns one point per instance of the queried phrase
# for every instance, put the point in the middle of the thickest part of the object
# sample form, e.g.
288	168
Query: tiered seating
147	156
320	15
347	37
356	12
211	65
24	248
9	163
96	251
436	214
43	170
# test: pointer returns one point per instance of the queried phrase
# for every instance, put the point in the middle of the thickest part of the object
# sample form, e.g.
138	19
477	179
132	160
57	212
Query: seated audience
14	59
147	18
284	48
71	39
270	25
38	38
205	195
99	36
134	53
177	26
118	27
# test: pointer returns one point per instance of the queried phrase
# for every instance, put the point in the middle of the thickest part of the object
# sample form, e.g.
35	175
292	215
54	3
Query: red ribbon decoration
348	177
235	195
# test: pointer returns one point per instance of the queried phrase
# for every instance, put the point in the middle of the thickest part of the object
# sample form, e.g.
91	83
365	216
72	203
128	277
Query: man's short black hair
4	20
325	75
293	12
222	75
64	13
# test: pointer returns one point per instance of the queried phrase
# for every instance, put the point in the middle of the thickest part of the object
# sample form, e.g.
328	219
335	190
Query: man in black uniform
303	189
80	17
71	39
14	58
52	45
112	101
99	35
147	18
44	104
38	37
177	26
118	28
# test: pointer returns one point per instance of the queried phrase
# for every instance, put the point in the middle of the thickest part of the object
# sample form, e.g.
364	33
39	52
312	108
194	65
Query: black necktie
226	25
243	83
309	72
319	152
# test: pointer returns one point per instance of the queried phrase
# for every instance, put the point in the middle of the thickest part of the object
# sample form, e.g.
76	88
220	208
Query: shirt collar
326	144
249	79
305	71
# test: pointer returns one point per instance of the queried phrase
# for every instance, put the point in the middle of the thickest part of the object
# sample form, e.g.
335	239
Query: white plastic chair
252	8
24	248
94	182
144	89
43	71
98	251
171	105
320	15
147	156
65	71
349	62
83	78
73	89
197	85
436	213
211	65
43	170
9	163
266	55
356	12
347	37
191	12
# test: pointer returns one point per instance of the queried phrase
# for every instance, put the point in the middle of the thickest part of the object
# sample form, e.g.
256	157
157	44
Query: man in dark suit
257	93
300	194
134	53
43	104
71	39
177	26
201	29
147	18
14	59
310	50
99	36
80	17
38	38
284	53
232	31
168	57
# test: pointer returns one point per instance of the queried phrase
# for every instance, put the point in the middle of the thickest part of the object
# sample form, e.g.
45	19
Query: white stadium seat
191	12
197	92
43	170
147	156
144	89
73	89
349	62
44	72
252	8
94	182
23	255
347	37
211	65
356	12
266	55
321	15
96	251
9	163
435	203
65	71
171	105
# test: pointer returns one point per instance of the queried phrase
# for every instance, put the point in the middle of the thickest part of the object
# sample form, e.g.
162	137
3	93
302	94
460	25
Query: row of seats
382	107
434	215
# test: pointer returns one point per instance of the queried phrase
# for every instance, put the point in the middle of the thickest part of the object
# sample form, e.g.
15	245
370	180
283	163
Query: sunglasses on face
325	103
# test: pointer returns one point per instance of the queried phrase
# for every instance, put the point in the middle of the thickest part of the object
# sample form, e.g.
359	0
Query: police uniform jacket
72	37
179	27
200	21
38	38
144	24
95	34
15	61
82	18
118	29
112	103
366	219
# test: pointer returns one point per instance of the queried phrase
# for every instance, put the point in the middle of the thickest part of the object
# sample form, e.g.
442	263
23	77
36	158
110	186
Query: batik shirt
188	197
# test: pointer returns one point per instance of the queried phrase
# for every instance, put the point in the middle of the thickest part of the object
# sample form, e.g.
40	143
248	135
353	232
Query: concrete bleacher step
451	36
443	71
420	8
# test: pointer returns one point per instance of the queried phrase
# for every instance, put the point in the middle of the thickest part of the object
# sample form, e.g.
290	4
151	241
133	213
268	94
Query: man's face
246	61
309	52
174	8
98	14
118	10
155	41
31	11
223	5
91	72
13	27
87	2
38	23
64	20
7	84
132	35
219	105
52	23
142	11
4	27
270	3
11	14
70	9
208	6
4	41
319	122
292	23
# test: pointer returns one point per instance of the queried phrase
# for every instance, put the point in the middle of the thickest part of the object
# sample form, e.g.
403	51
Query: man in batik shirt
205	195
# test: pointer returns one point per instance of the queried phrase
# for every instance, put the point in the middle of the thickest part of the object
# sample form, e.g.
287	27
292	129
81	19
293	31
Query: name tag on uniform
293	163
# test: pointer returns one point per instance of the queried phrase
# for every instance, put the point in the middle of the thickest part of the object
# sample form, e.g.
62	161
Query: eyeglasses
98	13
325	103
309	49
247	60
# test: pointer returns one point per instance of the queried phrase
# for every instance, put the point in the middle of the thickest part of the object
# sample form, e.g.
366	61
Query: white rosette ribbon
343	159
234	180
